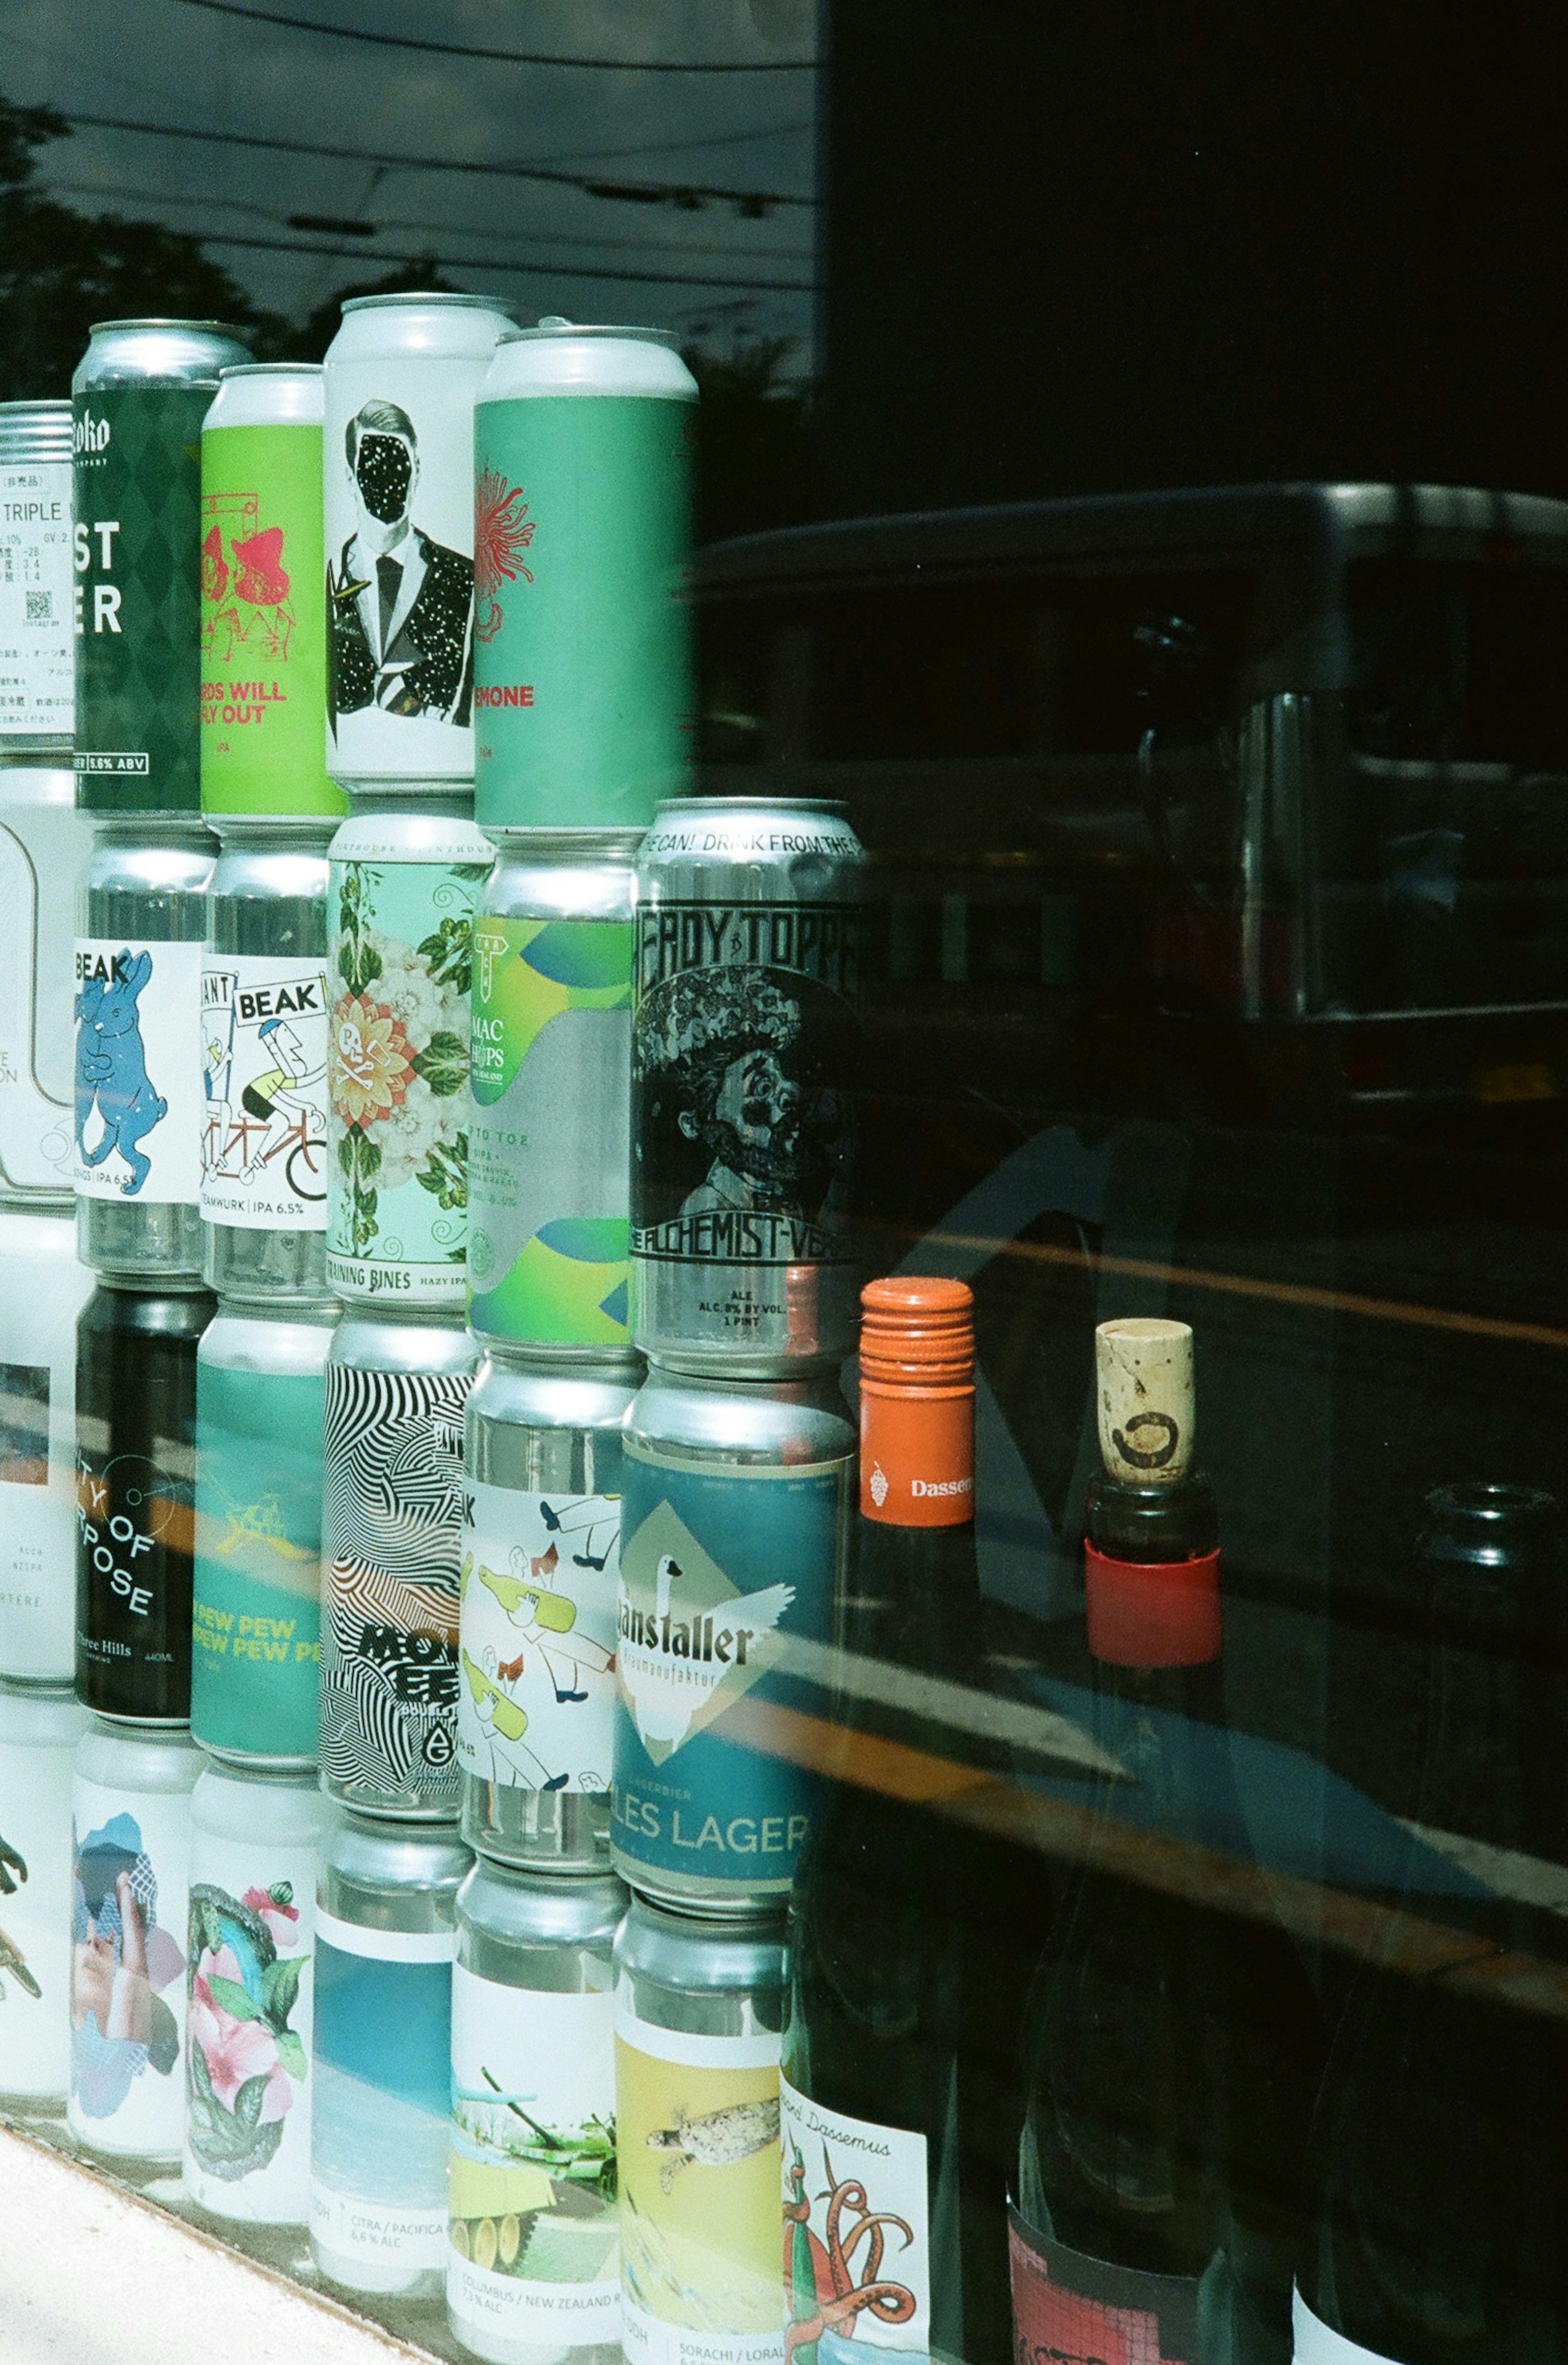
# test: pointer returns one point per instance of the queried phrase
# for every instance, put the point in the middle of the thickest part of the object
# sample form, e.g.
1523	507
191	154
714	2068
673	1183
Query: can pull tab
554	321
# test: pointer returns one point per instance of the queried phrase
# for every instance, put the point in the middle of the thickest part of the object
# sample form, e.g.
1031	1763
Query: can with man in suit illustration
391	1538
398	486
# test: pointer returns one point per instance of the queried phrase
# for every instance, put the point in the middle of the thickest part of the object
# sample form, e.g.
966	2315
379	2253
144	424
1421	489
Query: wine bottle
1439	2147
1171	2031
895	2181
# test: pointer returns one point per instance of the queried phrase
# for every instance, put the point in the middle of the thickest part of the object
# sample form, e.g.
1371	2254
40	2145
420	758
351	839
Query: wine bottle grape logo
878	1484
690	1641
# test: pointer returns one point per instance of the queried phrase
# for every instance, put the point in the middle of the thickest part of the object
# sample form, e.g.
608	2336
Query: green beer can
139	397
263	608
583	696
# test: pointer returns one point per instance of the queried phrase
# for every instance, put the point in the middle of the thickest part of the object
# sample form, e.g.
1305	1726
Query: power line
675	193
507	264
505	57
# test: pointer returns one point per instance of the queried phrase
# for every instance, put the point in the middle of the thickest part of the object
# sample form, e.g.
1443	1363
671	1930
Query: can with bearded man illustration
405	876
744	1041
391	1529
397	484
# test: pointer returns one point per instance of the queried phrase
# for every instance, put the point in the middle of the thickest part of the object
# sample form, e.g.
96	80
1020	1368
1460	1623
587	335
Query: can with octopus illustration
406	876
391	1538
38	1734
533	2269
698	2012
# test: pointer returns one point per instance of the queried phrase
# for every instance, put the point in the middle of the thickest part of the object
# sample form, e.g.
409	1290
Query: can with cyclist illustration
44	848
397	488
265	992
141	922
263	608
39	1734
256	1637
37	647
540	1563
406	876
139	395
392	1529
548	1148
42	1290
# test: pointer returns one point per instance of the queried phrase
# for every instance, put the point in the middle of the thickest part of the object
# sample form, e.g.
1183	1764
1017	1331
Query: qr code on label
40	606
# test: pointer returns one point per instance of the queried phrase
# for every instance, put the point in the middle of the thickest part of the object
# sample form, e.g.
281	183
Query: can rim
760	803
47	404
158	321
449	299
555	324
272	369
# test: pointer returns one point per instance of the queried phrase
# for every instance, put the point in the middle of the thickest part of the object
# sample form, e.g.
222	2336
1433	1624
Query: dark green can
139	397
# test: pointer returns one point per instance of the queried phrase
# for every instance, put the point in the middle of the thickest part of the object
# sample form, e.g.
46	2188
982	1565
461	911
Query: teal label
549	1160
137	494
721	1573
582	698
255	1667
397	1073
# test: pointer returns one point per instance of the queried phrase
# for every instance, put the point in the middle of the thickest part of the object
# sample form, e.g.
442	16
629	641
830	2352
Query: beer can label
134	1538
530	2175
392	1530
536	1704
35	1785
697	2124
248	1998
43	849
263	1050
549	1141
139	1088
137	492
721	1571
856	2229
381	2112
37	645
584	704
401	959
130	1856
263	624
257	1632
42	1290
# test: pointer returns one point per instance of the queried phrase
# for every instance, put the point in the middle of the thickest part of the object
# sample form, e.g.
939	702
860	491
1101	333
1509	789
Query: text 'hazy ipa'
136	1370
584	705
744	1054
36	644
263	620
397	462
404	880
42	1290
139	395
391	1535
548	1151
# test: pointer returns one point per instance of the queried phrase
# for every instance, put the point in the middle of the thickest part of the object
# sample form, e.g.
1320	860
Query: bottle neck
913	1597
1479	1712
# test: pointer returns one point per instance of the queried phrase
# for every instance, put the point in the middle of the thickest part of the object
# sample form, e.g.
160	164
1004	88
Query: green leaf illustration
248	2101
444	1063
231	1997
291	2053
280	1986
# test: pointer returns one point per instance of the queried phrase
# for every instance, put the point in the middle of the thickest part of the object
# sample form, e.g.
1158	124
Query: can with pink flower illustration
256	1846
406	875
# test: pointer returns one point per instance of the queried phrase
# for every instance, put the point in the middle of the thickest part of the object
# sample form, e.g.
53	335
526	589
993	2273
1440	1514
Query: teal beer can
583	698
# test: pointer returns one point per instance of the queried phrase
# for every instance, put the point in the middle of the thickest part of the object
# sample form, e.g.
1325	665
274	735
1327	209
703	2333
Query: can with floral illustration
407	872
256	1847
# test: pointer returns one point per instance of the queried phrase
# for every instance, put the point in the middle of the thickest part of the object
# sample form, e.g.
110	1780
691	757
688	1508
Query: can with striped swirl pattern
392	1511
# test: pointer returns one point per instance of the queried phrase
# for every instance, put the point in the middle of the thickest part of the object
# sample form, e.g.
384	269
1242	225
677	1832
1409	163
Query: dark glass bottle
1172	2035
1440	2143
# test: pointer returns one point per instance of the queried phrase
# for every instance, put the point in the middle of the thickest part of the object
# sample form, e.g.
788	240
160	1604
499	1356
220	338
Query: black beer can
136	1376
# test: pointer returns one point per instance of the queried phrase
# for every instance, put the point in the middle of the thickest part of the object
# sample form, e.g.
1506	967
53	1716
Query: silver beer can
38	655
141	923
532	2269
698	2010
549	1147
44	848
265	1002
745	1039
38	1734
391	1538
540	1566
381	2057
398	483
43	1288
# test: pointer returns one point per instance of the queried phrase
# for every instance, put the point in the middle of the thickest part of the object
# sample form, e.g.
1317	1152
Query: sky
719	276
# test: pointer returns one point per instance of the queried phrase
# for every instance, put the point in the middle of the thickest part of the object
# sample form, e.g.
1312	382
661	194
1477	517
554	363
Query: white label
531	2170
386	1945
840	2174
648	2340
37	640
760	2050
130	1907
413	2240
263	1051
139	1093
35	1820
1316	2345
536	1703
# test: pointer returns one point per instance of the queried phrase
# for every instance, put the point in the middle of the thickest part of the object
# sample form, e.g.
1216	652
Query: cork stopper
1143	1399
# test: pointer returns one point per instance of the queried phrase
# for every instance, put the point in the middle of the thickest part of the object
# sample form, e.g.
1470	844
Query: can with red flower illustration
406	875
583	698
263	616
256	1847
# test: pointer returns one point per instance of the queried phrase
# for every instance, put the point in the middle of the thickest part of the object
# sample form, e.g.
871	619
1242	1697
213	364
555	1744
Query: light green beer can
583	696
263	601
